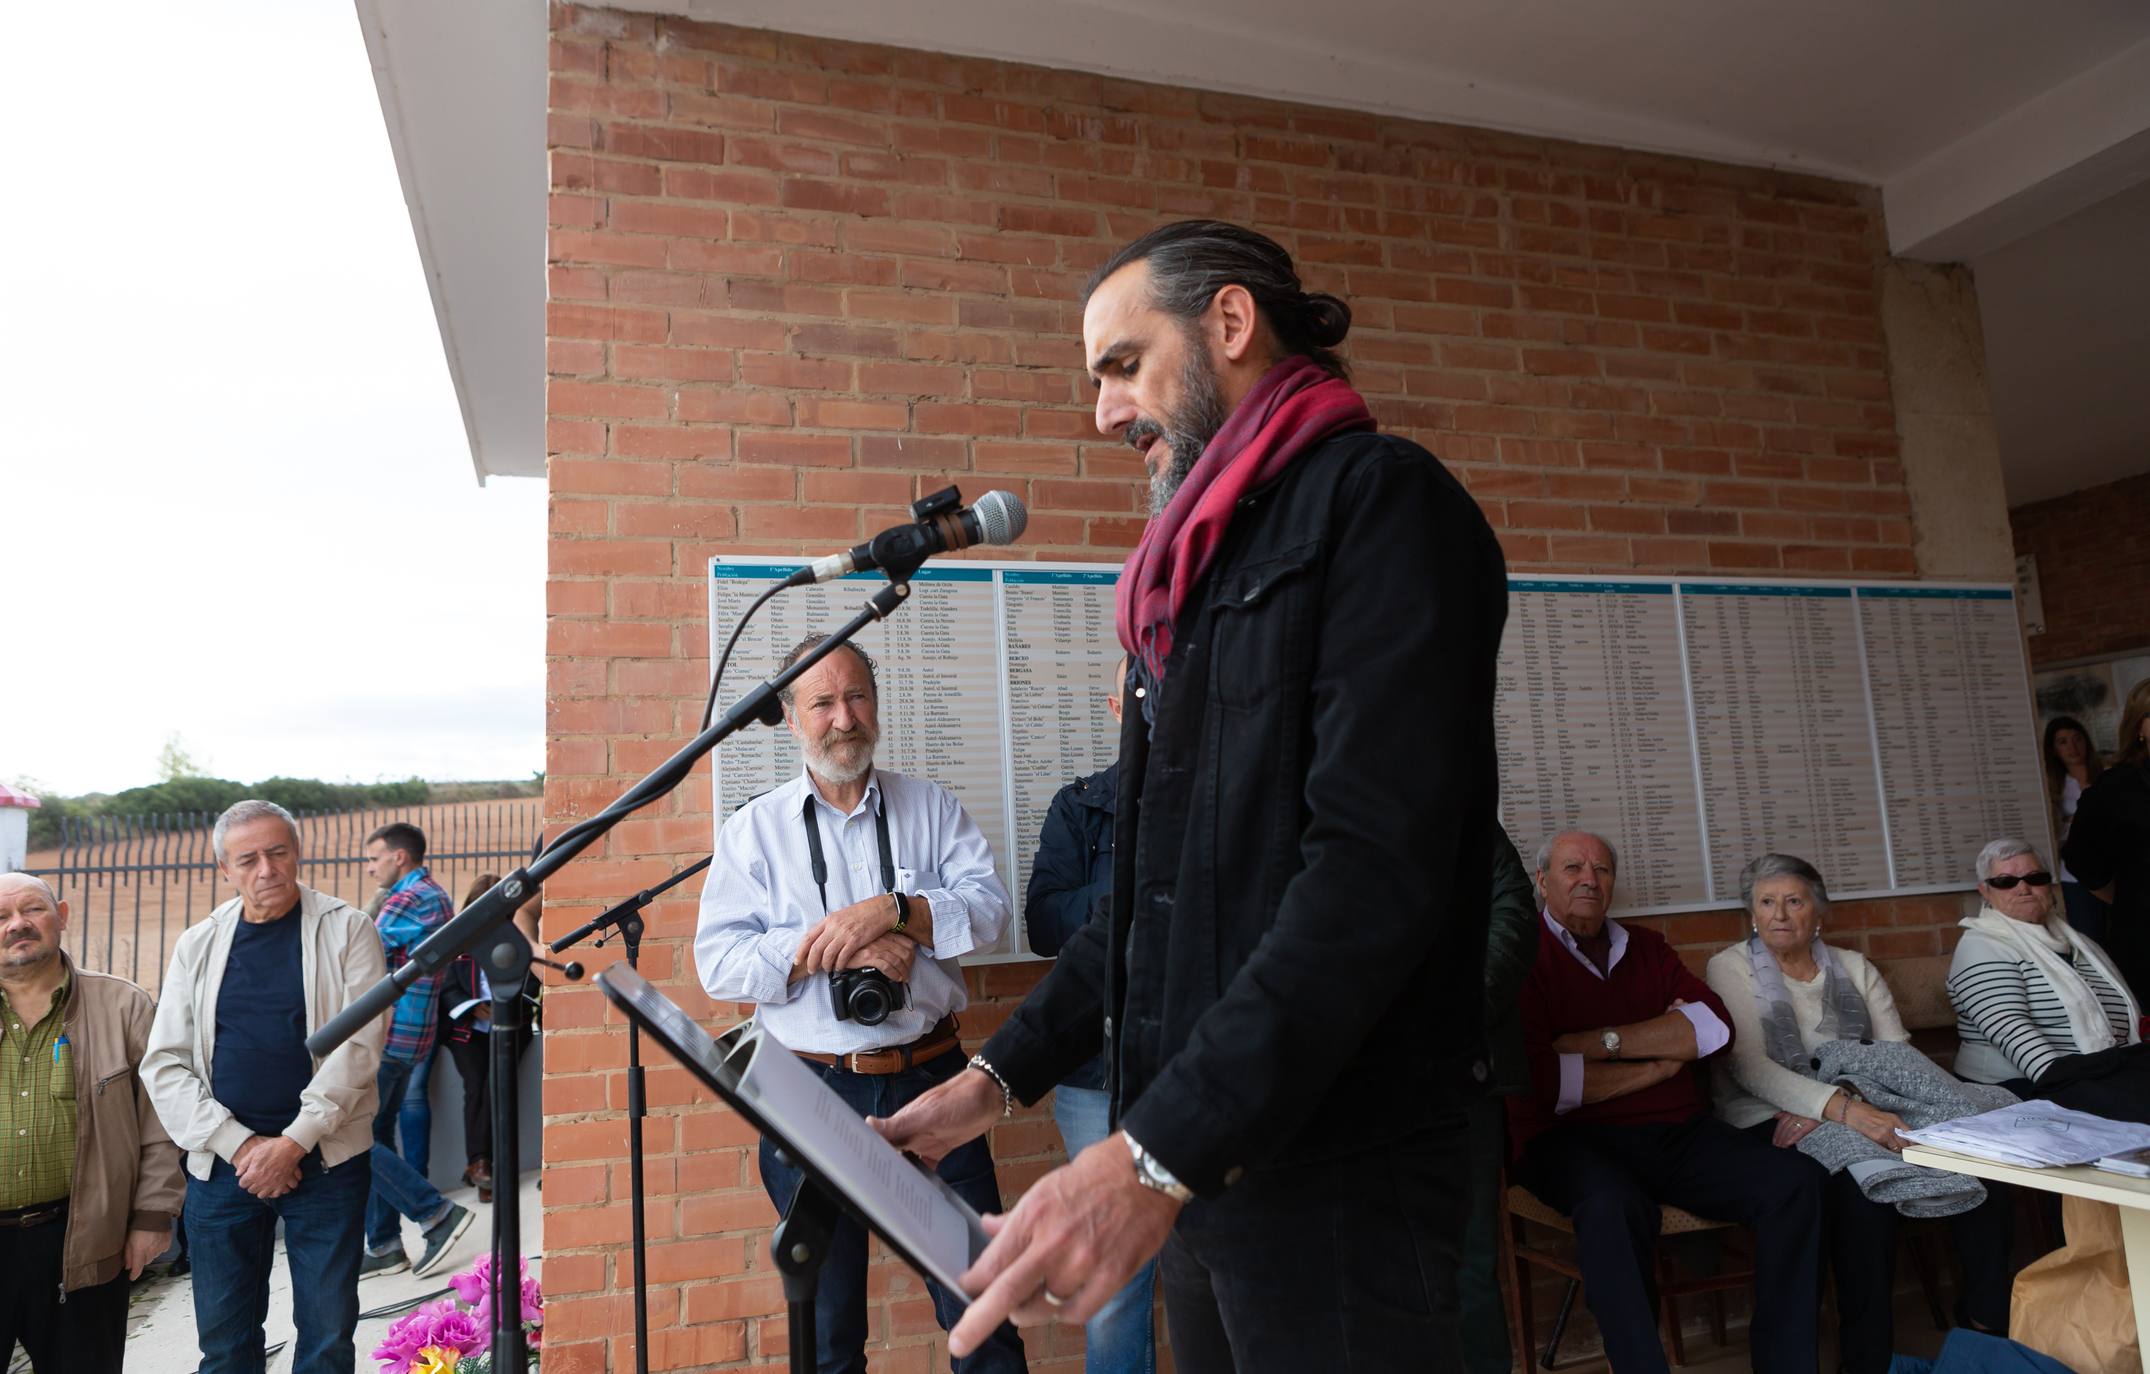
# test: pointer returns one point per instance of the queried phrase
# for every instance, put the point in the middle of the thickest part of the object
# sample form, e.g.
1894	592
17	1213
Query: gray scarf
1844	1014
1897	1078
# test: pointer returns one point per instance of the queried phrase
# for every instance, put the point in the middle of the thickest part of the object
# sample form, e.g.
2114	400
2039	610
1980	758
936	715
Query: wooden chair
1522	1206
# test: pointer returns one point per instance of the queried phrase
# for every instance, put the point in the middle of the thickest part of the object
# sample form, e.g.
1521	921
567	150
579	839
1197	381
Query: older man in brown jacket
89	1181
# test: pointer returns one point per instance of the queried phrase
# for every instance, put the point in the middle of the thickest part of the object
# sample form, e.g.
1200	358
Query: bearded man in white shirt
838	904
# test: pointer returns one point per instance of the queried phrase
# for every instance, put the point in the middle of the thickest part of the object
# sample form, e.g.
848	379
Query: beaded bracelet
1007	1094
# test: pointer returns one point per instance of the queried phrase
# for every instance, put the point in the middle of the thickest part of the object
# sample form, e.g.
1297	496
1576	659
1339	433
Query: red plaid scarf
1294	407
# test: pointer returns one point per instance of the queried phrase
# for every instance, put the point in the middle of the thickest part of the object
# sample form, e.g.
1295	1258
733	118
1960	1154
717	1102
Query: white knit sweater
1747	1085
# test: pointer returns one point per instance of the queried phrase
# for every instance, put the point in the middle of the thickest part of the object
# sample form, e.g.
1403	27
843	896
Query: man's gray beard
823	764
1202	413
1165	485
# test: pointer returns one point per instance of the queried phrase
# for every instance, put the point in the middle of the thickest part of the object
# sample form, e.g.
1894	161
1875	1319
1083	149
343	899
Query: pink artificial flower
474	1283
441	1324
474	1286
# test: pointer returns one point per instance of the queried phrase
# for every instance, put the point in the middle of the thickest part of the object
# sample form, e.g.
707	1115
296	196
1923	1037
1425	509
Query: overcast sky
239	503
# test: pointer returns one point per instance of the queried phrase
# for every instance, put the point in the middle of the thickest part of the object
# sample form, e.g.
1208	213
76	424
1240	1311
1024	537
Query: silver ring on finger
1052	1299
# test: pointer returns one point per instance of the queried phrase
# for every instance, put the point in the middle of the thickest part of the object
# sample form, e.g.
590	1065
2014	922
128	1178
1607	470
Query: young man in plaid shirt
415	907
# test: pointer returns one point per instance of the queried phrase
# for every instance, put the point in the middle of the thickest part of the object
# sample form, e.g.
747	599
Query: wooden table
2130	1195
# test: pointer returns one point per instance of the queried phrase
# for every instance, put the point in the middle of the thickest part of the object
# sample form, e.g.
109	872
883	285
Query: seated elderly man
1616	1121
2034	996
1789	994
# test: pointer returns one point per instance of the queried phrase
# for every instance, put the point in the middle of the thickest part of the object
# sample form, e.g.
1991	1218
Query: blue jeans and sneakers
231	1239
840	1300
1120	1338
399	1188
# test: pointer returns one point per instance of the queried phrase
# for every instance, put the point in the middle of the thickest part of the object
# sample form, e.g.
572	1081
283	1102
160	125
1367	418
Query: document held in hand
907	1205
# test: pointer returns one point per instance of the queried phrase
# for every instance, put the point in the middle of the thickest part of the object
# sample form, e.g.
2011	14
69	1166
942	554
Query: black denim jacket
1293	965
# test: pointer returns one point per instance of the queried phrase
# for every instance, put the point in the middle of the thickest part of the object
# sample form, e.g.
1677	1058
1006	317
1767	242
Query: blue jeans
840	1298
231	1239
414	1124
397	1187
1119	1339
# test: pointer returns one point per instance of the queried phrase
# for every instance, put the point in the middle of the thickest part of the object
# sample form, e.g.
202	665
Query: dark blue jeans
1339	1264
1119	1337
414	1124
397	1187
231	1238
840	1300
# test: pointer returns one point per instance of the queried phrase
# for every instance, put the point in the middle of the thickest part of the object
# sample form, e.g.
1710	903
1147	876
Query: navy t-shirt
260	1062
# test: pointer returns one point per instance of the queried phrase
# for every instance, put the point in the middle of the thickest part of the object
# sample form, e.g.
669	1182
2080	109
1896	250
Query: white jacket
341	955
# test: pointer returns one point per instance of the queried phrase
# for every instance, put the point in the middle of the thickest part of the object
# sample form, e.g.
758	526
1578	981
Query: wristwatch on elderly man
1611	1041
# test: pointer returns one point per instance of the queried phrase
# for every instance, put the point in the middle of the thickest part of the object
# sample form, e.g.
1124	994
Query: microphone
942	524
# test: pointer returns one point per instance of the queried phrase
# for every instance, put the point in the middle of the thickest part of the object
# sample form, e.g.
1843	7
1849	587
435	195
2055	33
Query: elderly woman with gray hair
1794	1002
2040	1008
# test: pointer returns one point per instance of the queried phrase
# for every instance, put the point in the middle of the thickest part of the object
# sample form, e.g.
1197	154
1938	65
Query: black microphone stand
507	959
799	1244
627	919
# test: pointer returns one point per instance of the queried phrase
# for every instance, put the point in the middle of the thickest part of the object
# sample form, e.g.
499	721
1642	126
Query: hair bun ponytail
1328	319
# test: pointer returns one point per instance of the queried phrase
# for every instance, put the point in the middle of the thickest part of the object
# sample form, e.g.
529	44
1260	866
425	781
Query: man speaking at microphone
1287	981
837	904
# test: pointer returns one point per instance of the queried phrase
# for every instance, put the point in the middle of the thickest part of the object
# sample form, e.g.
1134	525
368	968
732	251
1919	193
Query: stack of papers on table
2034	1135
2135	1163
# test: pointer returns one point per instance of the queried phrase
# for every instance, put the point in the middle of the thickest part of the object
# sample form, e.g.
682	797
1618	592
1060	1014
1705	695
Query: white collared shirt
1711	1034
760	900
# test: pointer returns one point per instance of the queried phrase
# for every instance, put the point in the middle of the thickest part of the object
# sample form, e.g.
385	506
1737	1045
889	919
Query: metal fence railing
134	883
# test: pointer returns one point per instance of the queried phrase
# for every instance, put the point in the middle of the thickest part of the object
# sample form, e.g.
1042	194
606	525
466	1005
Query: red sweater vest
1560	996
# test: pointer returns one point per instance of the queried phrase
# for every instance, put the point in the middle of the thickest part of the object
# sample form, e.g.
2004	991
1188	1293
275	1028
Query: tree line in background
211	795
185	788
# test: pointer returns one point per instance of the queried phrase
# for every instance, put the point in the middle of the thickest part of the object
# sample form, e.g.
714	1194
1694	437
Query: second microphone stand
508	956
626	918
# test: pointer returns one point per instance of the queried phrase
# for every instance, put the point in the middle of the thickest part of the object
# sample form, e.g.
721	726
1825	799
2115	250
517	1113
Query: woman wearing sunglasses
2030	991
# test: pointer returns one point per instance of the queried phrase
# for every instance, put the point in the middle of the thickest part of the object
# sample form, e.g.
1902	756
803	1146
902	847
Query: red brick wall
794	283
2093	551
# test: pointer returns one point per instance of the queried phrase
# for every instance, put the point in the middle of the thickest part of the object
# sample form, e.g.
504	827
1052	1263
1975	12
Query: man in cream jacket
271	1132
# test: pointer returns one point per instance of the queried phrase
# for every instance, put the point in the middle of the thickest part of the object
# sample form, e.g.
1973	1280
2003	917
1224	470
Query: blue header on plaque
1060	577
1599	588
1757	589
1940	593
774	572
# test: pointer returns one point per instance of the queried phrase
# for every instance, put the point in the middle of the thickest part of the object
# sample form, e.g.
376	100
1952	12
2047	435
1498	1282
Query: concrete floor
160	1321
1915	1335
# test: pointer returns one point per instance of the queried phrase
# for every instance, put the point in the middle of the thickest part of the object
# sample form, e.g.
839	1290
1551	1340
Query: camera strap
820	862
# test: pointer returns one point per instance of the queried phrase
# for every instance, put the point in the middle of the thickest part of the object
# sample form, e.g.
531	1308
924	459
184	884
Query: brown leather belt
896	1058
26	1217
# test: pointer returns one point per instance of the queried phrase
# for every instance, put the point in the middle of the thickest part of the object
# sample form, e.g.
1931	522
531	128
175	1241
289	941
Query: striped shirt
37	1105
416	907
2008	1017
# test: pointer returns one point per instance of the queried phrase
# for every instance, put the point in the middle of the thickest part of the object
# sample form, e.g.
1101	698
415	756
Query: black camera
866	995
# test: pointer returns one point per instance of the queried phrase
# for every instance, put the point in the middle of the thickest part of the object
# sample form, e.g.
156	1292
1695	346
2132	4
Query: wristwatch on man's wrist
903	915
1611	1041
1151	1173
